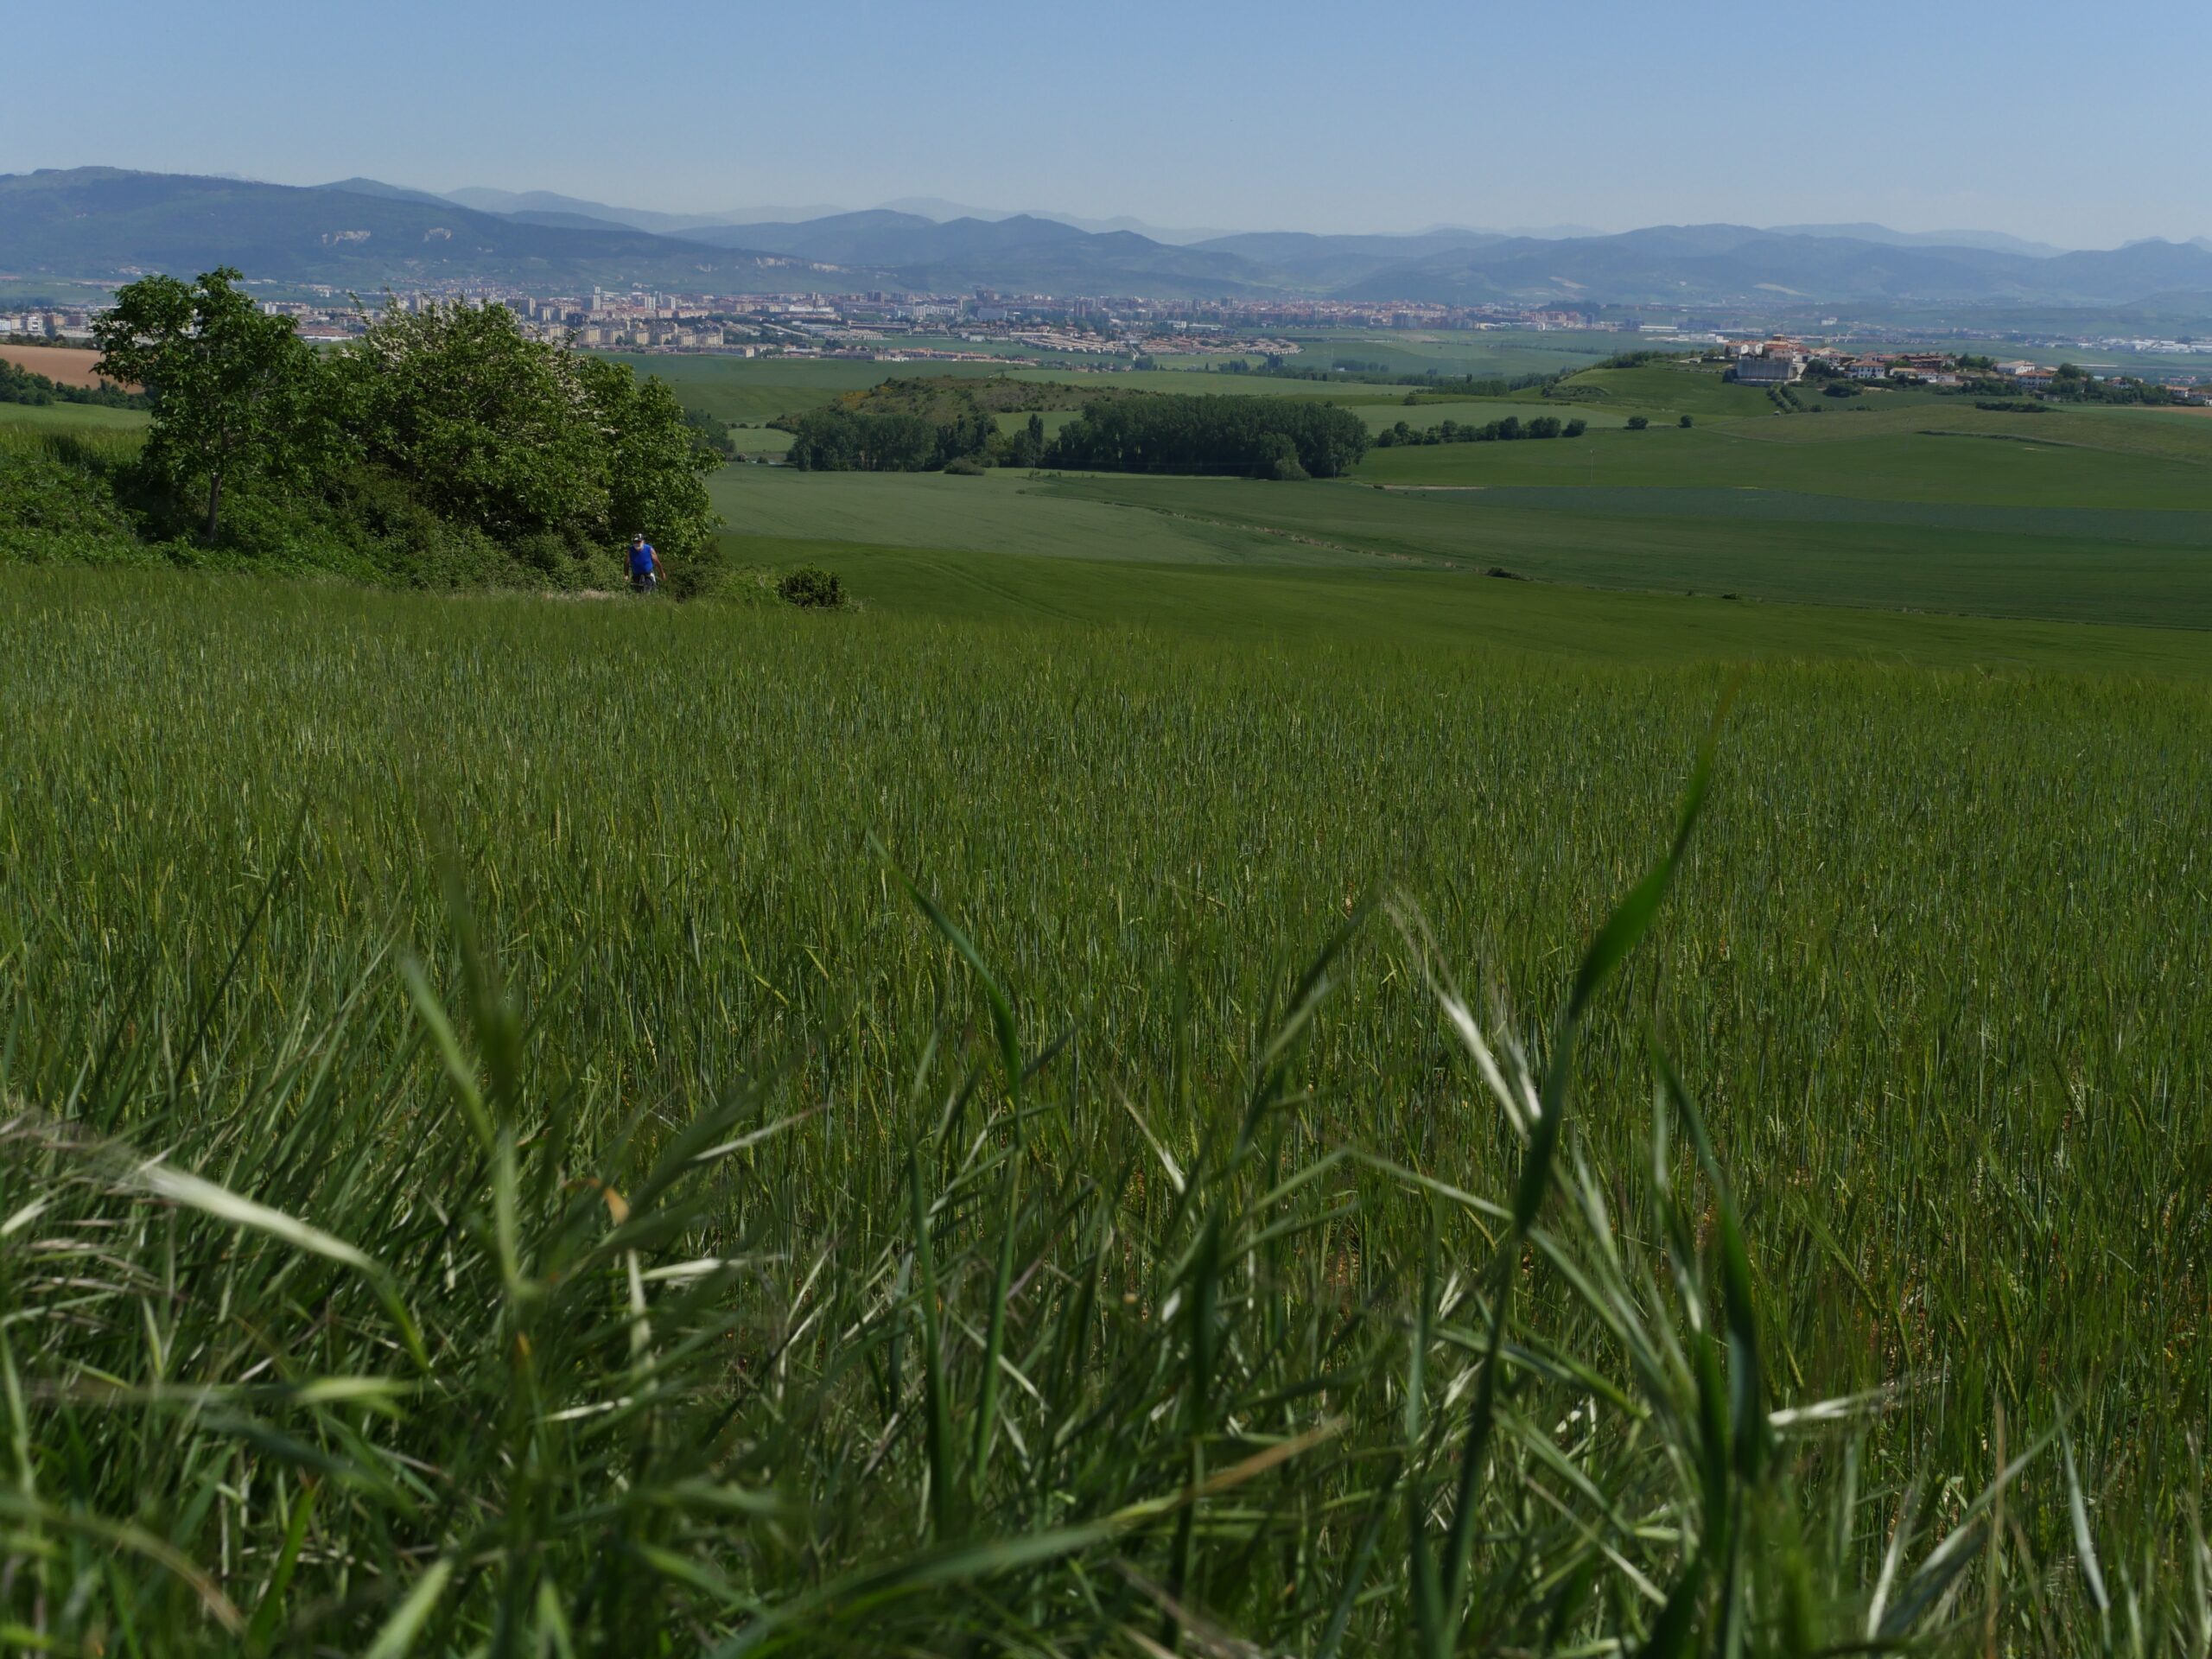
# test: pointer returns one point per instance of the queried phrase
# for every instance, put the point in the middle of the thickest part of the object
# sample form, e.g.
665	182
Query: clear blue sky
2030	115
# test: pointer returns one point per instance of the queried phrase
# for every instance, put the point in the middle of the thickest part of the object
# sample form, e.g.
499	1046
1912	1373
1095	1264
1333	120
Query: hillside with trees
443	448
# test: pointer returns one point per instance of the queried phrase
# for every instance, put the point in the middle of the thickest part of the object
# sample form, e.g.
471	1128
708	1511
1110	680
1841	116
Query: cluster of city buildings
69	324
869	324
987	324
1780	362
1107	324
748	324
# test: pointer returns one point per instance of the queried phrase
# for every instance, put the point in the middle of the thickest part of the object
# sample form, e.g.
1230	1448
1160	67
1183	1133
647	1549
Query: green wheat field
554	1128
1192	1075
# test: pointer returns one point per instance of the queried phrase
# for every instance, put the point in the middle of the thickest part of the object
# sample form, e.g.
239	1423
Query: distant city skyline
1236	116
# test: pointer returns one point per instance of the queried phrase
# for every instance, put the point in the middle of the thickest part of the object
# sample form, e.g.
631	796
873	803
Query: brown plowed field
63	365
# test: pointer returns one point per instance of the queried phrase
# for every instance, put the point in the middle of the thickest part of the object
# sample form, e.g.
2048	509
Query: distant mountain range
97	222
1990	241
1736	265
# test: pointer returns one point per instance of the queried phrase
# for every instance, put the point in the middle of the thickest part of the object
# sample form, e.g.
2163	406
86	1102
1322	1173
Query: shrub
1637	423
1685	422
49	495
962	467
813	588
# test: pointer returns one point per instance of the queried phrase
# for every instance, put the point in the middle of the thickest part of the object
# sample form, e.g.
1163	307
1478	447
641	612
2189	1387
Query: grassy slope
2144	568
1199	382
1319	605
1792	549
1995	460
1668	390
1001	514
82	417
1054	419
1487	351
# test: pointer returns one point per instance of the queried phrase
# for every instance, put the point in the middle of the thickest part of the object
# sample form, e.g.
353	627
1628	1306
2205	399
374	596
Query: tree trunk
214	501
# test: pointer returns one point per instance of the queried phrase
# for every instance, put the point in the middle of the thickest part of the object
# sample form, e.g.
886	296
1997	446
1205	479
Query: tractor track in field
1280	534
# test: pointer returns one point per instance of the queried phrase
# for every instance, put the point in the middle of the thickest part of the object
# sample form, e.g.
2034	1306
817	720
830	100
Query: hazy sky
2078	124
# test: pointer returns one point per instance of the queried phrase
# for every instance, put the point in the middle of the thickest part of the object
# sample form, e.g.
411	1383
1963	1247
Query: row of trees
1507	430
2071	383
837	439
451	411
1257	437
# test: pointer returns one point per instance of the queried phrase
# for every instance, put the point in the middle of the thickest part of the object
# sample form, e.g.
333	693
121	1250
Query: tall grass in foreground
474	1398
662	1233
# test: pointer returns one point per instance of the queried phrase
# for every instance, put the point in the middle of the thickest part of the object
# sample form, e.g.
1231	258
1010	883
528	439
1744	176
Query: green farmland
1476	412
1698	392
2008	516
1968	456
1581	1046
1199	381
72	417
657	1093
1505	352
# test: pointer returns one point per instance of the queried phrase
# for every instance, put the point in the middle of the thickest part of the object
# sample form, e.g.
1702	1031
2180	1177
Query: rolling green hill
2084	563
750	391
1665	389
1333	606
1991	460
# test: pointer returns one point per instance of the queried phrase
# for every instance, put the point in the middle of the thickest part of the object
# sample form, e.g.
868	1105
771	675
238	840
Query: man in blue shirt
645	565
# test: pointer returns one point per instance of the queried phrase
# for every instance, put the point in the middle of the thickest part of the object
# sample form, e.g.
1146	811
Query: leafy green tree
1281	462
522	438
656	474
1637	423
1026	446
710	431
491	428
971	432
236	395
